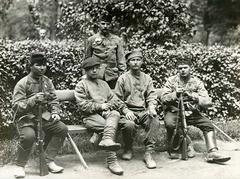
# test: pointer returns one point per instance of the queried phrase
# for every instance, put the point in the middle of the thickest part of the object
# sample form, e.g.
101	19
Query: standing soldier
136	89
43	39
109	49
194	95
98	104
26	97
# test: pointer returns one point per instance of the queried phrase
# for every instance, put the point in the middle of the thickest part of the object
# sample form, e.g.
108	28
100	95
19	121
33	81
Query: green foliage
140	23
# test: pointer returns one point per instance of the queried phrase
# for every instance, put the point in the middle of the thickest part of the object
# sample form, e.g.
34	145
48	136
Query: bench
68	95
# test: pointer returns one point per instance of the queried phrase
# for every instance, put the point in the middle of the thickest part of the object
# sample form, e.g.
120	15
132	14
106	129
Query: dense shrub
139	22
217	66
64	63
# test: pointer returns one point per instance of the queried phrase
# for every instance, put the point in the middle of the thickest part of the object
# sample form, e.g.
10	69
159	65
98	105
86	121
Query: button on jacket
110	50
137	92
24	104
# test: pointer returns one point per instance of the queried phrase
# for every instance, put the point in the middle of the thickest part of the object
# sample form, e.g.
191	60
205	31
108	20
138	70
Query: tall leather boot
109	132
112	163
22	158
213	155
51	151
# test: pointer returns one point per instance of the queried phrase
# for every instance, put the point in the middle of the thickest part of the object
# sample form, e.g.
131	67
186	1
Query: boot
127	154
112	163
109	132
52	150
148	159
22	156
53	168
213	155
190	150
19	172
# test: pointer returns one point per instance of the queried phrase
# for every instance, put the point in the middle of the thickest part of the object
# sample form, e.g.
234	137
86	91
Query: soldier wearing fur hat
136	89
99	106
26	97
195	96
109	49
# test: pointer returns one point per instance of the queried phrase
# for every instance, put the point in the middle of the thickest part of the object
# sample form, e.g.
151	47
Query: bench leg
77	151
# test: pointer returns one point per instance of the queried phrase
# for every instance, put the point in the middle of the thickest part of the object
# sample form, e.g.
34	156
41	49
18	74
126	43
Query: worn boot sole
120	172
56	171
217	160
114	147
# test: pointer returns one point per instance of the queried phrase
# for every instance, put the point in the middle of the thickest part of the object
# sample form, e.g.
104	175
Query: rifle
43	164
183	137
182	143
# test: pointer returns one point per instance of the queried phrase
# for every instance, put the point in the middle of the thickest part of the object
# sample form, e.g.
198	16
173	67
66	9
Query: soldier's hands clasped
179	90
106	106
39	97
131	116
152	112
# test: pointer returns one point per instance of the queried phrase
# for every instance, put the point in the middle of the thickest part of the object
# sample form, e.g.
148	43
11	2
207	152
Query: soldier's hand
188	95
105	113
55	118
179	90
39	97
106	106
47	95
152	112
130	116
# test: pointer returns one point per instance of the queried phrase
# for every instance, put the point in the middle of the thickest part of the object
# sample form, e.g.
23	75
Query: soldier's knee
115	113
130	124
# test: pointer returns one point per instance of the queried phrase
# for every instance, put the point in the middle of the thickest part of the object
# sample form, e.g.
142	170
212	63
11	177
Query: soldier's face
92	72
135	63
104	27
42	33
38	69
184	70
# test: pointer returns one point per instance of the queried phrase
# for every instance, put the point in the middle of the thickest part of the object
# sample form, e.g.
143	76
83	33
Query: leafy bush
217	66
64	62
140	22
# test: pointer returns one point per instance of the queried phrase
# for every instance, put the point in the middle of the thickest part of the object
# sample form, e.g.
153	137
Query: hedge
217	66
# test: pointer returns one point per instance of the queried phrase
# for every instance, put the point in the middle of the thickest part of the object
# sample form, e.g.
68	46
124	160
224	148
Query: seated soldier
26	97
194	96
136	89
98	104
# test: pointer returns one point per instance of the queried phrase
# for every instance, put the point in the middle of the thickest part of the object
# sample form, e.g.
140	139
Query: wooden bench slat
65	95
76	129
72	129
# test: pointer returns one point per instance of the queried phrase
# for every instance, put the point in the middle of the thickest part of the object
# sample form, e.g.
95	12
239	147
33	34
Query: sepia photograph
120	89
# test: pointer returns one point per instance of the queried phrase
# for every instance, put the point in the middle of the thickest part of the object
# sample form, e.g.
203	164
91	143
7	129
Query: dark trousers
28	134
195	119
151	126
112	83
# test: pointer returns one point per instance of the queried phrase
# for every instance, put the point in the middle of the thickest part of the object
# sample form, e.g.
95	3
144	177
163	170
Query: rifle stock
43	164
184	129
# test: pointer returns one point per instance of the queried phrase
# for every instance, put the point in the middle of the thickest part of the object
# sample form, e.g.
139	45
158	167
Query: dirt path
195	168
